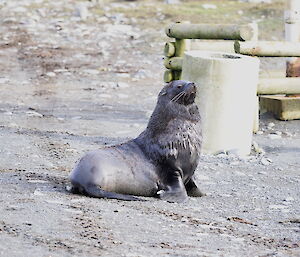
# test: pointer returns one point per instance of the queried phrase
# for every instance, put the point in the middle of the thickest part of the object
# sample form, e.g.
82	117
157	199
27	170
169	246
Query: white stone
274	136
271	125
122	85
91	71
265	161
4	80
50	74
34	114
209	6
82	11
277	206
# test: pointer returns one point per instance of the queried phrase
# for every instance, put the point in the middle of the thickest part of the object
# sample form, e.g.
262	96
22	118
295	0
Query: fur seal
160	162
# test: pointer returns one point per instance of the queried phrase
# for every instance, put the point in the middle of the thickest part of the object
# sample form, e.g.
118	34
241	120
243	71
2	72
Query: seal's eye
179	86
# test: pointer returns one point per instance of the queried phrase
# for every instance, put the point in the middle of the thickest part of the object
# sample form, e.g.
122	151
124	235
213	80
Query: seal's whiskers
178	96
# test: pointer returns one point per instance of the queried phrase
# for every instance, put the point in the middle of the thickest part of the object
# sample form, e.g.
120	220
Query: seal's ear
163	92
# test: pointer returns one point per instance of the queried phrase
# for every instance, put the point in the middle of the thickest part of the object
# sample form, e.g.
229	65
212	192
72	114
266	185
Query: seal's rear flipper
95	191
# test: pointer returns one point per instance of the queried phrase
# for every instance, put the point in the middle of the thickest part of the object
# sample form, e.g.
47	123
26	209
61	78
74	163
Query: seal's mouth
190	95
189	98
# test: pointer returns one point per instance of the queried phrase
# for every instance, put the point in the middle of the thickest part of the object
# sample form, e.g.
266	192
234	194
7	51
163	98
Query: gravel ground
69	86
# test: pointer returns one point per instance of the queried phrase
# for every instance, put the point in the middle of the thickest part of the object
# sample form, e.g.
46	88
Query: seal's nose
191	86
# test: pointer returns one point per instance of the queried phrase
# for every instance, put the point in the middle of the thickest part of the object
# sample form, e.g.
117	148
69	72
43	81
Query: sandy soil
69	86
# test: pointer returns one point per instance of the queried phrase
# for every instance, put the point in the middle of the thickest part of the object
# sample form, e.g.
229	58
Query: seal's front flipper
174	190
173	196
192	188
95	191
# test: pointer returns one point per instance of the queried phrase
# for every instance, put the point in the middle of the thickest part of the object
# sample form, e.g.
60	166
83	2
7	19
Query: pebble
37	192
257	1
257	149
234	163
91	71
50	74
34	114
104	96
122	96
38	181
271	125
172	1
265	161
289	199
209	6
122	85
4	80
288	134
277	206
82	11
260	132
274	136
141	74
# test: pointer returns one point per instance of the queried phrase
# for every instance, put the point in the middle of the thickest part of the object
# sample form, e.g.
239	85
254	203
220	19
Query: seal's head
179	91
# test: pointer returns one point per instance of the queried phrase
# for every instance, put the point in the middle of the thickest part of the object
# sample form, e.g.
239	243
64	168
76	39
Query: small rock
203	178
50	74
289	199
256	148
271	125
34	114
279	133
4	80
104	96
265	161
37	181
141	74
60	70
260	132
172	2
257	1
122	85
222	155
209	6
37	192
122	96
277	206
91	71
20	9
262	173
288	134
82	11
274	136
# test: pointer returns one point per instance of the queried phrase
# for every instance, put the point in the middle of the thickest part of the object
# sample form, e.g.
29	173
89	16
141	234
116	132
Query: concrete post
227	86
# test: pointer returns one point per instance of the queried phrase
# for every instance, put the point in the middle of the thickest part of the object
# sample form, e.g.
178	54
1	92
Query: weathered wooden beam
180	47
278	86
212	31
169	49
168	76
268	48
283	107
174	63
213	45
